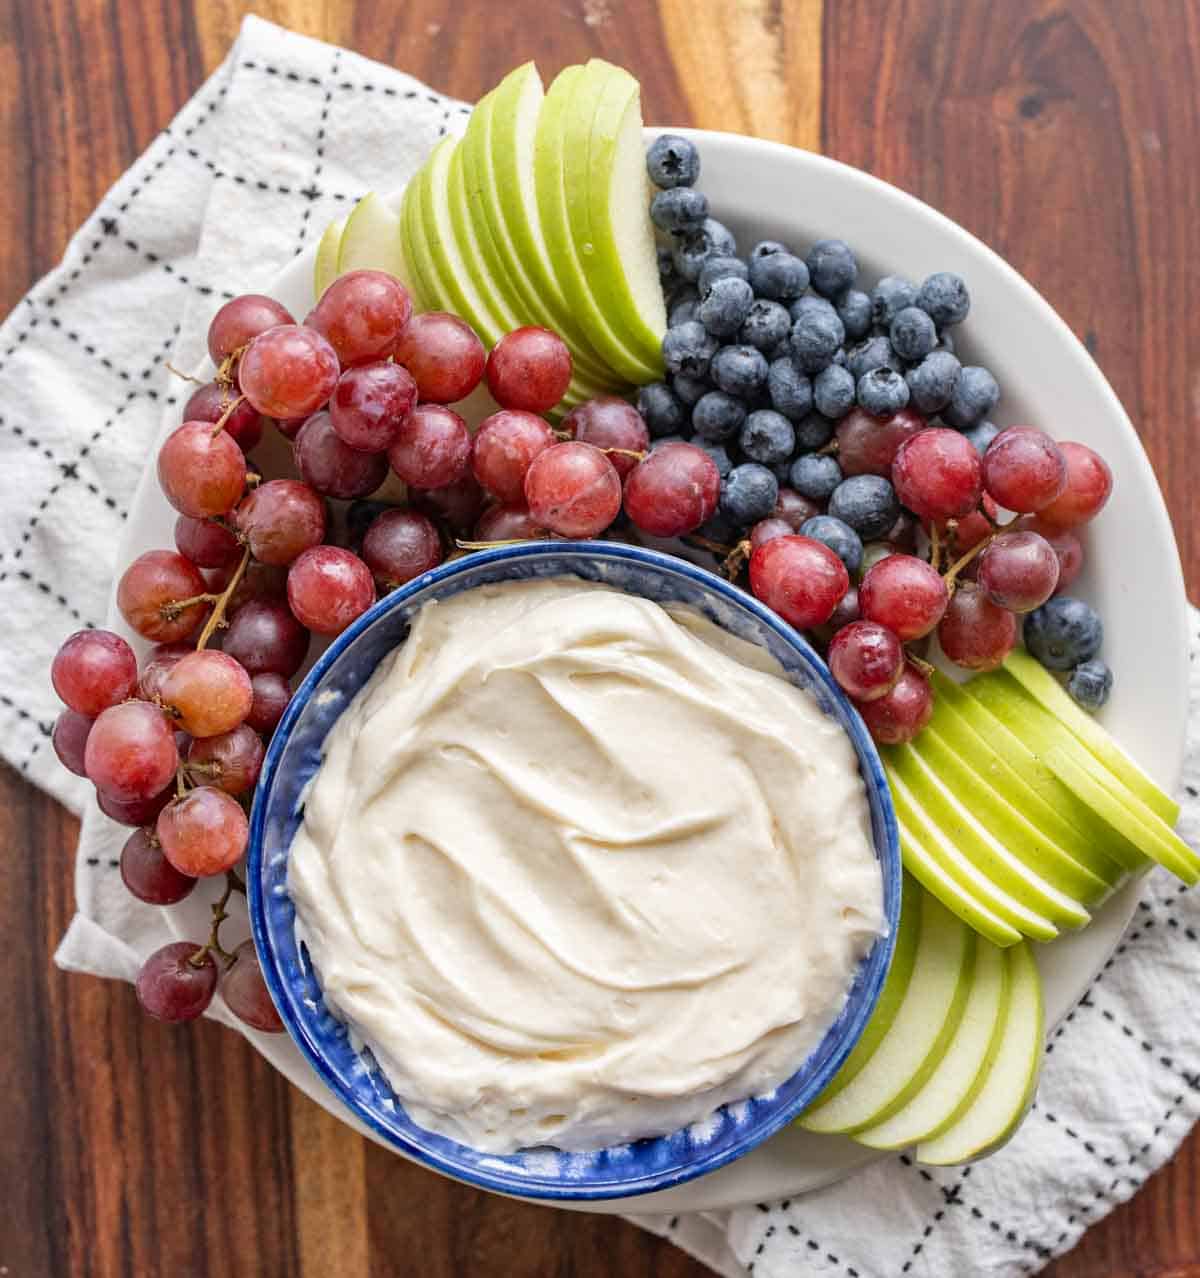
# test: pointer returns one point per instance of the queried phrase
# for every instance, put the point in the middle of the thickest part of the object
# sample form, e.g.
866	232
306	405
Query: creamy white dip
579	869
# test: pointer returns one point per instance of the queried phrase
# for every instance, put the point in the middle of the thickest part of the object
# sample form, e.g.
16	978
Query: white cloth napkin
282	139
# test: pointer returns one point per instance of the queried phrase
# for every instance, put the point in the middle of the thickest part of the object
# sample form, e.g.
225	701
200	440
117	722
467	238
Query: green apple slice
325	267
1010	741
960	1074
427	290
1001	1102
549	165
608	194
1044	688
920	1033
1023	839
959	825
900	970
974	883
371	239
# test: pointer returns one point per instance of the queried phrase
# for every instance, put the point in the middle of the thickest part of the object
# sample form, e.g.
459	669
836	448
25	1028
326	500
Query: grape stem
626	452
222	602
187	377
736	559
707	543
951	574
488	545
226	414
173	607
219	915
921	664
827	450
935	547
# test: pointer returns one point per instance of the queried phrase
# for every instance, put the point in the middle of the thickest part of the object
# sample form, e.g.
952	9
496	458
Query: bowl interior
293	758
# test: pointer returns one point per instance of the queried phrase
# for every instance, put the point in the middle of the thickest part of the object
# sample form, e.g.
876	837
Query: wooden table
1064	134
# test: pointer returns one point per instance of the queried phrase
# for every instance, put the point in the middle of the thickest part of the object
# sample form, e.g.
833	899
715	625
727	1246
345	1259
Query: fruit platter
568	330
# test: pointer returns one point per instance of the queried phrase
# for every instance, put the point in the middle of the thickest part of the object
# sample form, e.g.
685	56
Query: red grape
131	752
173	986
370	405
328	588
400	545
846	610
289	427
432	448
263	637
573	489
134	811
508	523
230	761
150	590
208	691
259	581
610	423
794	509
866	659
529	368
1089	484
206	543
1024	469
204	832
867	446
94	669
362	314
458	505
673	490
976	633
201	470
444	354
328	464
903	533
288	371
212	401
271	696
905	594
505	446
279	519
968	531
241	320
765	529
937	474
900	714
1066	545
799	578
1018	571
245	992
148	874
69	739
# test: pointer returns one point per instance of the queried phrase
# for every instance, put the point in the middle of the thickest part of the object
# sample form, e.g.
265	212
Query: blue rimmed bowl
351	1074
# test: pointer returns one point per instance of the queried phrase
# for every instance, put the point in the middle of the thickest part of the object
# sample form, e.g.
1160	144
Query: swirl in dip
580	869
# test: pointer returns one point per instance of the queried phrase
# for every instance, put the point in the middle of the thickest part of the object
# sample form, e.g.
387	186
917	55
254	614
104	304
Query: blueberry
832	267
679	209
913	334
717	453
833	392
889	297
672	161
944	298
717	268
816	336
854	310
815	476
748	493
688	348
867	503
764	248
838	536
666	267
974	397
931	384
1090	683
789	389
661	408
719	528
839	356
882	392
1063	633
724	305
871	352
688	389
781	277
718	416
982	435
683	311
767	437
697	246
813	432
739	370
766	325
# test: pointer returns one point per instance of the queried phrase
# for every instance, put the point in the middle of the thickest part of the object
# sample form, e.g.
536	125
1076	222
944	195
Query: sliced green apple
371	239
959	825
974	883
427	290
919	1035
960	1074
549	165
1001	1102
325	267
1042	686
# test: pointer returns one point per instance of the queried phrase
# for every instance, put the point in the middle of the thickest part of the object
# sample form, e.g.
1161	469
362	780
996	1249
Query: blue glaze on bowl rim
293	756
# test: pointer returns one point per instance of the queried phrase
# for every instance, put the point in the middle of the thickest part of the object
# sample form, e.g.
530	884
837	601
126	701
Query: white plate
1048	379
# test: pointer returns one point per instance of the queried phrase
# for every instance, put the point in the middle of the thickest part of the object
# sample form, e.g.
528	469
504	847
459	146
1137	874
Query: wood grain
1063	133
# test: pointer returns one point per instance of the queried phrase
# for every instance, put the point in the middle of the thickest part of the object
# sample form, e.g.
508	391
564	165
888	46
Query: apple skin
325	267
